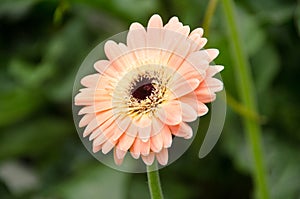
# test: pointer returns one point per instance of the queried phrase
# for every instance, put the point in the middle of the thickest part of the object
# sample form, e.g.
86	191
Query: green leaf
95	182
33	138
17	104
15	9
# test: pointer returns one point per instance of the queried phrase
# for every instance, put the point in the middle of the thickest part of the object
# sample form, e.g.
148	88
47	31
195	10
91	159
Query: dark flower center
143	91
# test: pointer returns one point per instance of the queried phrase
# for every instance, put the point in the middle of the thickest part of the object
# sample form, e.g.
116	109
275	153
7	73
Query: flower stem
247	95
154	182
211	7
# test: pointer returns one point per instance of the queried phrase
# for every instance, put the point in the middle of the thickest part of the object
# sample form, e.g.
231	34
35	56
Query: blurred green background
42	44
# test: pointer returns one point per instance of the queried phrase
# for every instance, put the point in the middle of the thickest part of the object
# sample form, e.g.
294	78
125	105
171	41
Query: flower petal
170	113
148	160
163	156
183	87
156	142
182	130
189	114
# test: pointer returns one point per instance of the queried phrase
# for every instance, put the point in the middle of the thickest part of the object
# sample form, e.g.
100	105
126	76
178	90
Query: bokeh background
42	44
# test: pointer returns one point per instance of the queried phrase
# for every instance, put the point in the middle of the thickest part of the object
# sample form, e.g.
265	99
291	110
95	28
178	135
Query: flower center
143	91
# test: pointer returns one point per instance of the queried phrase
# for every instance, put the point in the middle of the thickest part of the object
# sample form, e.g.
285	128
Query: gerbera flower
148	90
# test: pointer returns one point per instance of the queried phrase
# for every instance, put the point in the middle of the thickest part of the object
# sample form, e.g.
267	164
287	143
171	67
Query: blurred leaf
95	182
265	63
15	9
30	75
17	104
33	138
297	17
124	9
61	9
252	33
283	163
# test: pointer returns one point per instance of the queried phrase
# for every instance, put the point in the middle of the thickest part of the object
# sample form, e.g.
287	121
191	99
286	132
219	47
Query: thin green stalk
212	4
247	95
154	182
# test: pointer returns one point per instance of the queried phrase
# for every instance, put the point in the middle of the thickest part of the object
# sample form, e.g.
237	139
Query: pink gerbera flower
148	90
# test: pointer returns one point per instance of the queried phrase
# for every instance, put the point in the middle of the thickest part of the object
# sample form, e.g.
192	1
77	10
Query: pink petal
182	130
123	124
212	70
113	50
154	32
171	113
90	127
96	148
145	148
108	146
118	160
214	84
86	119
167	137
199	60
197	31
162	157
189	114
183	87
213	53
156	142
148	160
202	109
90	80
136	37
135	149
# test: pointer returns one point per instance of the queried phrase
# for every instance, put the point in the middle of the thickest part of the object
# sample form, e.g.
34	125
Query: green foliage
42	44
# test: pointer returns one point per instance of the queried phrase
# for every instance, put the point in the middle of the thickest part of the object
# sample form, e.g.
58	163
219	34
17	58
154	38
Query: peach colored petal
157	126
188	113
182	130
96	122
108	146
163	156
96	148
145	148
106	67
170	113
90	80
90	127
123	124
148	160
154	32
202	109
173	24
197	31
144	124
166	137
135	149
136	37
127	139
212	70
213	53
113	50
119	156
86	119
214	84
196	42
199	60
184	87
102	136
125	142
156	142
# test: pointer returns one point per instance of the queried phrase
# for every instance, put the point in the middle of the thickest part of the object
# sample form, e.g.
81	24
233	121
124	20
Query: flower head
148	90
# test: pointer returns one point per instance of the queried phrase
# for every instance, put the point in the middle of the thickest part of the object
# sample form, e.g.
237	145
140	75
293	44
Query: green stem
212	4
154	182
246	91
